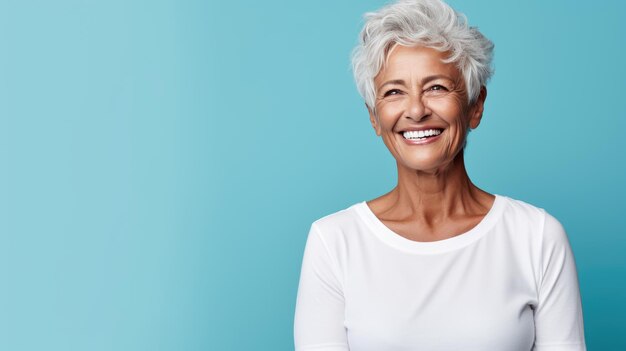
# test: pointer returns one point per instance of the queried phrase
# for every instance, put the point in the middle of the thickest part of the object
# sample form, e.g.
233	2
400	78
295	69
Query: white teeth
414	134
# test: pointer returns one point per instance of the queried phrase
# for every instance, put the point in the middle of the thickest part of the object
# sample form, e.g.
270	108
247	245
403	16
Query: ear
476	113
373	120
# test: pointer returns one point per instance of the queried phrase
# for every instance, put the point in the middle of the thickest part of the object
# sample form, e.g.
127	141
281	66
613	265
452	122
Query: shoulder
520	212
523	214
345	222
523	209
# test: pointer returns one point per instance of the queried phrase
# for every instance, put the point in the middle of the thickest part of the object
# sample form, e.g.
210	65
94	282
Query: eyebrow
424	81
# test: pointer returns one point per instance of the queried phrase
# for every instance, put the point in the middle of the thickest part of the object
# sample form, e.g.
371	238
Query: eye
438	87
392	92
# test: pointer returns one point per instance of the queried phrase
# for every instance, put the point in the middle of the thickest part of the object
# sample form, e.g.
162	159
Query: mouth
420	135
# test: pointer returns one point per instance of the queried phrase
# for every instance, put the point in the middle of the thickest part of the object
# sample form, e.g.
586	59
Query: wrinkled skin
432	93
434	198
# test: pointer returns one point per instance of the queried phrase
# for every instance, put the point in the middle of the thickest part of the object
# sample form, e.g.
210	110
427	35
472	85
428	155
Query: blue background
161	161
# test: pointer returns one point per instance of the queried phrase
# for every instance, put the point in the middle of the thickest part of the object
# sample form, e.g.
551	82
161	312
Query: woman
436	263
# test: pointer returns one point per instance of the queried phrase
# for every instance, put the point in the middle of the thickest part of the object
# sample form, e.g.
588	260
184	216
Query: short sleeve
558	314
320	313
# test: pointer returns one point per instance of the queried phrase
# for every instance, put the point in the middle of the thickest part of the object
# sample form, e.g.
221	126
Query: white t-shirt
508	284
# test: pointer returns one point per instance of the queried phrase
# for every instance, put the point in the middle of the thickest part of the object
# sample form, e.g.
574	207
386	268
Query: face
422	110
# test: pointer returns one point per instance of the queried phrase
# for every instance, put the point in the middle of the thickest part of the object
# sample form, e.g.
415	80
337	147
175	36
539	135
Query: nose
417	109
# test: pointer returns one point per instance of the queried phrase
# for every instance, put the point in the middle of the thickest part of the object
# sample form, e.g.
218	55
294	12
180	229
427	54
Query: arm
558	314
319	316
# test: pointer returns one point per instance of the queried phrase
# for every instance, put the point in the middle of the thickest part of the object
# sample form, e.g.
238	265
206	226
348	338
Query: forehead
415	62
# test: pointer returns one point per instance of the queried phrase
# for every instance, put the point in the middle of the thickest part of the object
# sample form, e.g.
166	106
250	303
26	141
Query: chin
427	167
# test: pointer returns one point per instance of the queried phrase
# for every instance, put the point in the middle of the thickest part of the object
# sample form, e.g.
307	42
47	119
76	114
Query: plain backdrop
161	161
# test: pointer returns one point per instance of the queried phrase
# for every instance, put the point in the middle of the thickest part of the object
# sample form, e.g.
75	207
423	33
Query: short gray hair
429	23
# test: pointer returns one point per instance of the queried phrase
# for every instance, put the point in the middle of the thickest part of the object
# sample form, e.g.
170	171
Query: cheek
451	110
388	115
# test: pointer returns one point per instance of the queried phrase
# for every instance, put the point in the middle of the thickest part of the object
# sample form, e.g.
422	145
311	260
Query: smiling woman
415	86
436	263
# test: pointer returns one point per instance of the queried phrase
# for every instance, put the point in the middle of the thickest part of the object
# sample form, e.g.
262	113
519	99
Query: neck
437	195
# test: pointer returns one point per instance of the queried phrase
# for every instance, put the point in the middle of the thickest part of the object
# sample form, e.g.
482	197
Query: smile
421	134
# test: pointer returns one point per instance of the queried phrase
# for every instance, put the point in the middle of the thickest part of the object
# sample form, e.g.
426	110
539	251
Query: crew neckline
397	241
